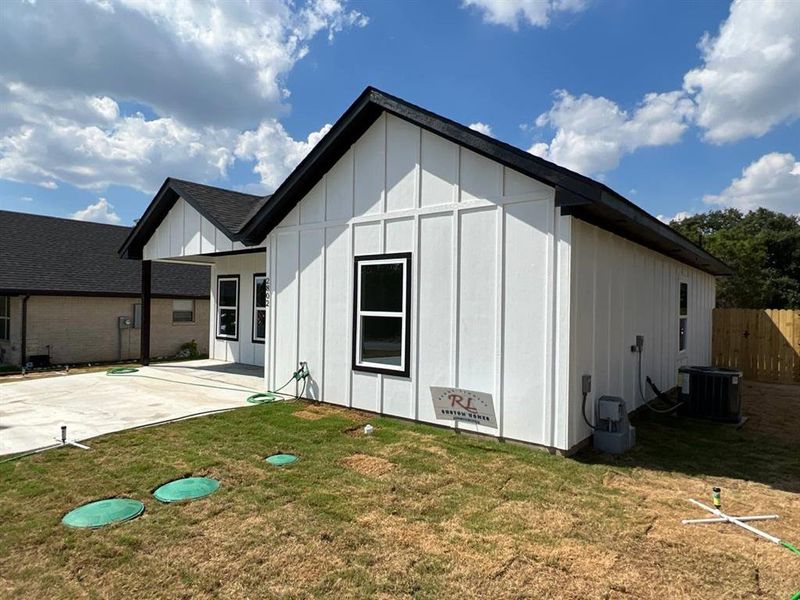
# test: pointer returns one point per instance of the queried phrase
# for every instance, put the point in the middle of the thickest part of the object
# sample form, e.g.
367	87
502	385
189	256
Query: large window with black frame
381	317
228	307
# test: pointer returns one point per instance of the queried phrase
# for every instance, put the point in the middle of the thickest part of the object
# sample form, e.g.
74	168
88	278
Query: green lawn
411	511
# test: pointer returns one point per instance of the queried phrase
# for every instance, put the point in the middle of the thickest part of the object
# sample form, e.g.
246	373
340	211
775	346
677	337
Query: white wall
620	290
487	249
243	350
185	232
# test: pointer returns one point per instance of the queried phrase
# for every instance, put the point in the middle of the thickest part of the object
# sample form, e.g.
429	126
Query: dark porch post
144	344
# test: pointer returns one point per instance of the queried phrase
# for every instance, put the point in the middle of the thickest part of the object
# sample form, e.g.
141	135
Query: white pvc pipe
724	520
736	521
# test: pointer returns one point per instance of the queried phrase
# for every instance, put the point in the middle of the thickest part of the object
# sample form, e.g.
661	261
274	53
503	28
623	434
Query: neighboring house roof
576	194
49	255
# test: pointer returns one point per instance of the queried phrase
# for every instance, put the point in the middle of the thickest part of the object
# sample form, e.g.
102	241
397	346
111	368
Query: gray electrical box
124	322
614	433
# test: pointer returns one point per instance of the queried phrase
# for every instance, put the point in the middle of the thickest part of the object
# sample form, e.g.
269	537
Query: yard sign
467	406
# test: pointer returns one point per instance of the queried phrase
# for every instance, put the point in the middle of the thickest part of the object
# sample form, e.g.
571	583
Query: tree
763	249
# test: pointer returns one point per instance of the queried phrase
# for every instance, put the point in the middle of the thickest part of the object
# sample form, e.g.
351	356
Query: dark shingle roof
575	194
228	210
52	255
231	210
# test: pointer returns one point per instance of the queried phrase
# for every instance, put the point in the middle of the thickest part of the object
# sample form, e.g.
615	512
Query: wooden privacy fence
763	344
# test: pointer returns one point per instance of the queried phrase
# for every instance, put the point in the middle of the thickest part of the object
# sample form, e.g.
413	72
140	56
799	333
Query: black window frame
405	350
683	317
238	307
253	337
6	318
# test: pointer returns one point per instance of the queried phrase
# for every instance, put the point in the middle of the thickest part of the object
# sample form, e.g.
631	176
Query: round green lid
280	460
189	488
103	512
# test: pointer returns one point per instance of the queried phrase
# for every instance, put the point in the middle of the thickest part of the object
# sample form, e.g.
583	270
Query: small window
228	307
137	316
381	314
5	318
183	311
683	316
260	291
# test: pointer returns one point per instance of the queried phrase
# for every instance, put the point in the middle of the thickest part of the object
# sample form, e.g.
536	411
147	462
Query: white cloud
679	216
593	133
772	181
203	62
99	212
84	141
26	198
748	83
511	12
481	128
274	151
212	72
750	78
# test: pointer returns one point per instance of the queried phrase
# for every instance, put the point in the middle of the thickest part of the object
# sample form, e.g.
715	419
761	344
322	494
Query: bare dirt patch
308	415
365	464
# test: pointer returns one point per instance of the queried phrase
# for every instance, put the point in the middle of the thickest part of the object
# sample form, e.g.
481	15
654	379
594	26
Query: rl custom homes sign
467	406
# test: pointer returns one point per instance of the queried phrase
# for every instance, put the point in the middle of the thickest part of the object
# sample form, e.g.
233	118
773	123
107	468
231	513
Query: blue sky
93	120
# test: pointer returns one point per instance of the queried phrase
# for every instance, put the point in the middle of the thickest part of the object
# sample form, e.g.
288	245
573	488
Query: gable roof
54	256
576	194
228	210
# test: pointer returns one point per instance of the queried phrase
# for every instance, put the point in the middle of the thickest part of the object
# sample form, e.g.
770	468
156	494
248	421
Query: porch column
144	344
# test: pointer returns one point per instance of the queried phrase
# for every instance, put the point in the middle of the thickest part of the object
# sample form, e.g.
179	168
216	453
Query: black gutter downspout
24	332
144	344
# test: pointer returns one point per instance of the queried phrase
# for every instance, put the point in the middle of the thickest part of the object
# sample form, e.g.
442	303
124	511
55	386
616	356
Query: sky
682	107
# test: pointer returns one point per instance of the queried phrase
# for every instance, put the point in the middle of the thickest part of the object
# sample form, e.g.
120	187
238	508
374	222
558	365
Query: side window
260	292
183	311
683	316
5	317
381	314
228	307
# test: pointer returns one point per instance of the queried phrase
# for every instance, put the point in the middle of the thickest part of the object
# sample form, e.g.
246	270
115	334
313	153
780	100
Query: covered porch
196	224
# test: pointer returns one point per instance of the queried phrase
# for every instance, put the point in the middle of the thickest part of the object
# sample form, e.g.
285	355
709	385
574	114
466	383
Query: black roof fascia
155	213
577	195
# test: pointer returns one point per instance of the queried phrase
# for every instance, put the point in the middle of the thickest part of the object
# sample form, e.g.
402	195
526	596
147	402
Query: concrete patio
91	404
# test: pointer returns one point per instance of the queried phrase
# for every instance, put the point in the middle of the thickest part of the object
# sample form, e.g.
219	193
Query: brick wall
82	329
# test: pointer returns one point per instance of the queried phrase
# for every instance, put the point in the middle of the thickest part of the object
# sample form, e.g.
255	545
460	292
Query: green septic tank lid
189	488
103	512
280	460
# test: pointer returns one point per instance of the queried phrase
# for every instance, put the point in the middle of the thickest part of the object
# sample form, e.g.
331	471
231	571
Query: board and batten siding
185	232
244	350
620	290
487	312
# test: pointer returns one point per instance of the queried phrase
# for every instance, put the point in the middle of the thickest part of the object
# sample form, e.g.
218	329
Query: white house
408	251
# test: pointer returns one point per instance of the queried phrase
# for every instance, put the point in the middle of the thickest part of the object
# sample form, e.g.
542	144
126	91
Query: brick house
67	298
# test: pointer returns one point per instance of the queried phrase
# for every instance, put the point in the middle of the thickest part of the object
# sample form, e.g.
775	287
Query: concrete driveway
32	411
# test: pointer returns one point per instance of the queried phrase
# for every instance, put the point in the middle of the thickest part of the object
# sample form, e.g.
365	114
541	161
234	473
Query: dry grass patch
374	466
408	512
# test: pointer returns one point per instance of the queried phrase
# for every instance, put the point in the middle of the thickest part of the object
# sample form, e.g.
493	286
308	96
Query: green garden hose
275	395
121	371
786	544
